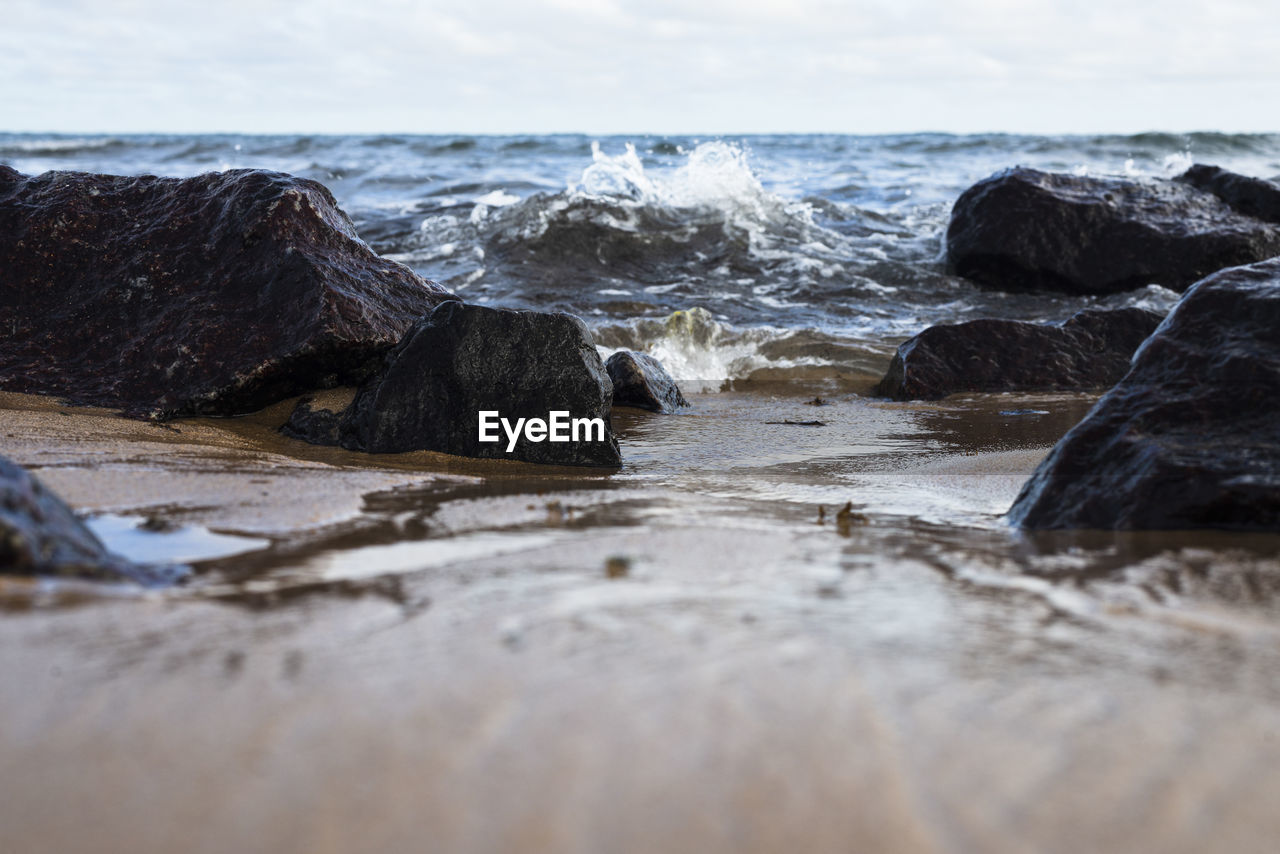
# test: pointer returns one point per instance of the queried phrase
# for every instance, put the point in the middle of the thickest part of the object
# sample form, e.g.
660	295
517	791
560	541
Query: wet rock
1091	350
40	535
1250	196
317	426
318	418
464	359
1025	230
212	295
1190	438
639	380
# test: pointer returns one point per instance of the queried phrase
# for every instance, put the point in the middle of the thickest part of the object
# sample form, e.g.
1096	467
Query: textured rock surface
1250	196
1190	438
1091	350
216	294
318	418
313	424
39	535
640	380
1022	230
462	359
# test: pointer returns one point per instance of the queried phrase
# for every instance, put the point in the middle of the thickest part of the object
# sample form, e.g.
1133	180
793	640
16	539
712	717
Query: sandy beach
419	652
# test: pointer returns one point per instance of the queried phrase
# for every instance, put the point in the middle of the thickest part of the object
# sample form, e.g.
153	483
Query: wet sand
436	654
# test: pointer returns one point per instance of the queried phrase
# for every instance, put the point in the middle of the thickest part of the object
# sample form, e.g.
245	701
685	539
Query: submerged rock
1190	438
640	380
1025	230
462	360
1250	196
212	295
40	535
1091	350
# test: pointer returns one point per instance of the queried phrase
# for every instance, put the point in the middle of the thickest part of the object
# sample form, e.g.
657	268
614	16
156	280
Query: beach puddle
150	539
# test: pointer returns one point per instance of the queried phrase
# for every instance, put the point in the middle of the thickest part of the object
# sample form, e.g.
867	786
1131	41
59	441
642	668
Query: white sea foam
715	178
1176	164
702	353
497	199
699	352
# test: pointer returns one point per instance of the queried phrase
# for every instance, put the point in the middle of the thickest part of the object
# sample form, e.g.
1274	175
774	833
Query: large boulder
1250	196
1024	230
1190	438
1090	350
212	295
639	380
464	360
39	535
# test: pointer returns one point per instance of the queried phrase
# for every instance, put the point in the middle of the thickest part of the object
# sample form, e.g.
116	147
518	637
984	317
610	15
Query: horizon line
650	133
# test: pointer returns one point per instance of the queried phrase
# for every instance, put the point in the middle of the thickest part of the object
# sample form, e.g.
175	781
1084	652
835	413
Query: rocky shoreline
228	292
795	618
1187	437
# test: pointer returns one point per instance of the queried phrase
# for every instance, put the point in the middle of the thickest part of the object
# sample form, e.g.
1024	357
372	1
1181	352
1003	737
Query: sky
661	67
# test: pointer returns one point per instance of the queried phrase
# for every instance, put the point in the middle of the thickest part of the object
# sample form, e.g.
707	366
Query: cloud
628	66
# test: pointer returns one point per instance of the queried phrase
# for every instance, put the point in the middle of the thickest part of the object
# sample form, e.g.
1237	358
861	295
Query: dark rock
1190	438
212	295
462	359
39	535
1025	230
640	380
1250	196
318	421
317	426
1091	350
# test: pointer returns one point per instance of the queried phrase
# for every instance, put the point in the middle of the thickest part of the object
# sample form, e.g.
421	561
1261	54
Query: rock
640	380
464	359
1091	350
317	426
1250	196
212	295
1025	230
1190	438
318	418
39	535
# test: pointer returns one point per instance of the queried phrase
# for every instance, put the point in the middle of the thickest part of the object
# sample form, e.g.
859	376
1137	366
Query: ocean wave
705	229
58	146
706	355
635	237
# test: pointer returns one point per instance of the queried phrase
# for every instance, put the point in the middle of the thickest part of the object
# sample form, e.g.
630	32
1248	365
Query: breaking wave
707	355
624	239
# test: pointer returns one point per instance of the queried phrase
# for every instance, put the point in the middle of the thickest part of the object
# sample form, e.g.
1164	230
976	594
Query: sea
728	258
